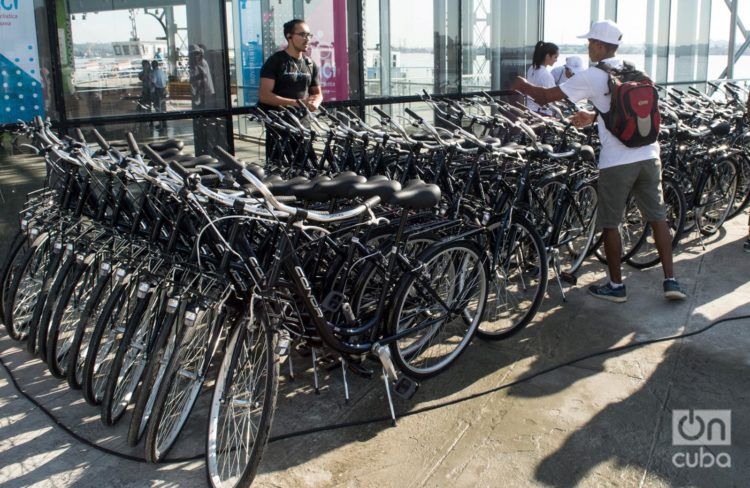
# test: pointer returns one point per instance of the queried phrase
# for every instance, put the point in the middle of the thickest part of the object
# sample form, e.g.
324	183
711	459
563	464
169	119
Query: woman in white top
545	54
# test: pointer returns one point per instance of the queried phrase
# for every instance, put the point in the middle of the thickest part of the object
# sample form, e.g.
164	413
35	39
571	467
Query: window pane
110	57
255	34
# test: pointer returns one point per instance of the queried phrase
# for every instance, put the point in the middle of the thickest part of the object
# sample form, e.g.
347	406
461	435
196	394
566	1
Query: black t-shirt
293	76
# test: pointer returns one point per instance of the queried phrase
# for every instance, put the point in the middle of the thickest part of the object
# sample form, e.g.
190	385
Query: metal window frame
361	101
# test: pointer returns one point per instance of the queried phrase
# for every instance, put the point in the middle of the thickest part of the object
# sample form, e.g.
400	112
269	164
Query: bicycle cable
374	420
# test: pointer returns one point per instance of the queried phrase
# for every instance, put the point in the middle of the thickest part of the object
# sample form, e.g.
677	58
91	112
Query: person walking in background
159	83
201	83
622	170
545	54
145	77
561	74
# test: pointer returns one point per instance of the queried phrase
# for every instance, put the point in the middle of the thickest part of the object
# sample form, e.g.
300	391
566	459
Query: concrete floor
603	421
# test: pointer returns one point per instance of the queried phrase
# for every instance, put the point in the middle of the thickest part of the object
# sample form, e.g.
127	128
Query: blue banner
21	91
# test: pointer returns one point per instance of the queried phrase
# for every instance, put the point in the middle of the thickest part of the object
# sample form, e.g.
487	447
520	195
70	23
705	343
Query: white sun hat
605	31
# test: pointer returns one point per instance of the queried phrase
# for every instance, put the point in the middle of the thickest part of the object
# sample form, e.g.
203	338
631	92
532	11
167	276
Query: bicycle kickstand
555	254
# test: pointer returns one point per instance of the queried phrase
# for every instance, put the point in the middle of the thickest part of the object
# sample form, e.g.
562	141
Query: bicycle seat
721	128
168	144
284	187
310	191
376	186
587	153
170	153
340	185
418	195
193	161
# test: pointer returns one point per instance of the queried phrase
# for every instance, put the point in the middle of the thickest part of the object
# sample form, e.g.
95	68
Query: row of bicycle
131	274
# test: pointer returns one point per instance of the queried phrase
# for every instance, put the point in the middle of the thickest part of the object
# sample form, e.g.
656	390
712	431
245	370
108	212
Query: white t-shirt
558	75
539	77
592	84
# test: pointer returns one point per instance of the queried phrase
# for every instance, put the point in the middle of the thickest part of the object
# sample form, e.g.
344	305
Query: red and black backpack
633	116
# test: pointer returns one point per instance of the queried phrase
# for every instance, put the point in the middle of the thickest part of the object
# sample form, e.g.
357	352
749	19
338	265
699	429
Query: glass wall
562	28
256	31
164	56
204	56
498	41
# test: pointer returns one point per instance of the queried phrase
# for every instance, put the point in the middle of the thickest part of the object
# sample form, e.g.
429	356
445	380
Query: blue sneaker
673	290
606	292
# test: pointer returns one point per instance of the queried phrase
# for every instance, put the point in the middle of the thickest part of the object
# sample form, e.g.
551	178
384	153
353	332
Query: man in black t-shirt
288	76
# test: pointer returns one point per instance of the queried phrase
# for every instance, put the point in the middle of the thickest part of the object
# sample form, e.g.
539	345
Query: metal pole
732	36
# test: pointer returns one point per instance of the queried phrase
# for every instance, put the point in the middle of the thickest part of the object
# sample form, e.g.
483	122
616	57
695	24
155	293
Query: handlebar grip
154	156
228	159
133	145
38	121
100	140
79	135
179	169
380	112
351	113
412	114
427	95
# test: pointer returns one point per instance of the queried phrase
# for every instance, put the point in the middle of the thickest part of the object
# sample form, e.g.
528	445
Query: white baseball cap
605	31
574	64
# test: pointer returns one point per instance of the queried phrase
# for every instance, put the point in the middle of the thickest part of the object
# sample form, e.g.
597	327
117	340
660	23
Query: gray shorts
643	179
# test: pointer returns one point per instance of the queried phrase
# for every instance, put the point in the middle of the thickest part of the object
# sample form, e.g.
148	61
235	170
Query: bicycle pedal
405	387
569	278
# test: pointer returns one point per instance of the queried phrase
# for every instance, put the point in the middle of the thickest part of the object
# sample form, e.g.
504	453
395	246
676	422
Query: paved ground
604	421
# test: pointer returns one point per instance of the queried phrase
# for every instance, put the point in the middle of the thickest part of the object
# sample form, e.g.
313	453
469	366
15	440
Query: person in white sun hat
622	170
573	65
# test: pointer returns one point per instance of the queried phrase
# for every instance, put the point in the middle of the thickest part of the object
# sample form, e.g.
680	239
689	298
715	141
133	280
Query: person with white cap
561	74
622	170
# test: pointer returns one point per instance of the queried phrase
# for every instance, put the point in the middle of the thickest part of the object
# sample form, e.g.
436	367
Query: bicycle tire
411	353
161	353
716	189
529	265
67	316
236	380
180	386
12	261
25	289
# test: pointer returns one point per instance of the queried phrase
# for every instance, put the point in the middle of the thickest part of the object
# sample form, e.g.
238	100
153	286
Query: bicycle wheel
646	254
578	228
518	282
105	339
438	308
160	354
182	381
716	196
27	285
13	259
45	307
104	288
742	196
67	316
243	404
128	363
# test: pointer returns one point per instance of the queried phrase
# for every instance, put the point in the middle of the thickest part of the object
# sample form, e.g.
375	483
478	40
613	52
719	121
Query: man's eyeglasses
304	35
